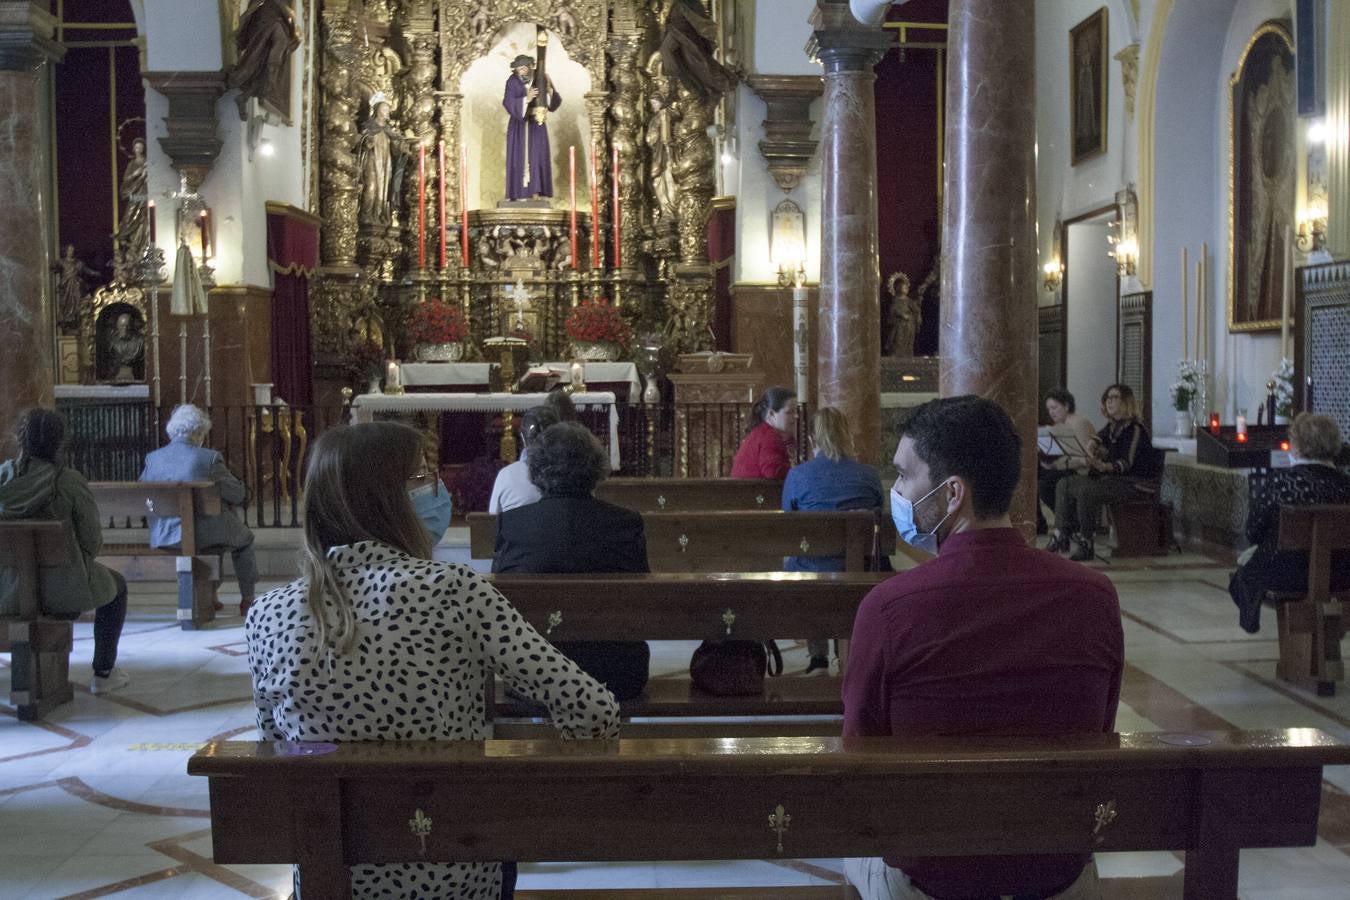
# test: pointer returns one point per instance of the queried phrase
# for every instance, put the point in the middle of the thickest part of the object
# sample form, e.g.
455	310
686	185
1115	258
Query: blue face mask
431	502
902	513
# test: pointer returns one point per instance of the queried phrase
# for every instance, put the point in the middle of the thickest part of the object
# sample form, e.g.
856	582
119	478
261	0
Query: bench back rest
1318	530
738	541
691	494
25	545
133	501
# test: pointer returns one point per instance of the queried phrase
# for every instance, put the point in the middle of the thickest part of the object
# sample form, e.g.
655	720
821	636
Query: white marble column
26	368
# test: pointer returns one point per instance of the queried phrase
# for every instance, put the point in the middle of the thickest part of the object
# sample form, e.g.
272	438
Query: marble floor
95	801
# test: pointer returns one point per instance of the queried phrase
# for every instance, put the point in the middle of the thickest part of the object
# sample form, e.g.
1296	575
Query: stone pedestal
989	272
713	396
26	368
849	345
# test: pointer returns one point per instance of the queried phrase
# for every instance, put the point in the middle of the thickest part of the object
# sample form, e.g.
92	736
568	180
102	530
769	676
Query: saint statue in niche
70	292
529	166
266	38
906	315
133	234
381	154
659	162
124	351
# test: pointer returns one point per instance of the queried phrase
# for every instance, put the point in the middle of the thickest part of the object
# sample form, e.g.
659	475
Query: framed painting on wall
1087	87
1262	178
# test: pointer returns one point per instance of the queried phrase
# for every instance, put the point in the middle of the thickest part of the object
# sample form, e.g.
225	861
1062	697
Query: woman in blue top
830	480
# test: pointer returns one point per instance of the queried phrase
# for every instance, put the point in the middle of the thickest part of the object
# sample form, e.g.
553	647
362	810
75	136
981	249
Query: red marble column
26	369
989	277
848	360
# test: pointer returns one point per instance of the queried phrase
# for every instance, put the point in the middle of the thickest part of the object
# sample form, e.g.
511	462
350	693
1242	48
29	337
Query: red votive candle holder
1213	423
1284	445
1242	437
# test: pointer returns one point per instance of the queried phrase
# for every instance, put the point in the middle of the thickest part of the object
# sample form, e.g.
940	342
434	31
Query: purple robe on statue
526	139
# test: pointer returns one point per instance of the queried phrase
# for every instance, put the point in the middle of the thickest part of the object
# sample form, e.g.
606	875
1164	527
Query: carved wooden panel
1322	338
1134	364
1050	348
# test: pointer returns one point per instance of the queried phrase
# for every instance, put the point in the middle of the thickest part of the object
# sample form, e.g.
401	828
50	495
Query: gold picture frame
1089	77
1262	108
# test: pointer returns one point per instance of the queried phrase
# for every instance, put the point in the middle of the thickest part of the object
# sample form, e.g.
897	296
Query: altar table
613	375
366	406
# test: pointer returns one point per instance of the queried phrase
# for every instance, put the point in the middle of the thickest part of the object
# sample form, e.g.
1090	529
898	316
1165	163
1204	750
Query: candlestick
440	180
1185	305
421	206
618	257
150	217
464	205
572	192
391	376
1286	349
595	211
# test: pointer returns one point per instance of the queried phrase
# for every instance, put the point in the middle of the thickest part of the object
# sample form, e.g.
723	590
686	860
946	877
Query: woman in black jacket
1313	478
1125	459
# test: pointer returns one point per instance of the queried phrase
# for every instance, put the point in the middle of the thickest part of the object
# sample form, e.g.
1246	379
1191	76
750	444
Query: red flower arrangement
435	322
368	357
596	322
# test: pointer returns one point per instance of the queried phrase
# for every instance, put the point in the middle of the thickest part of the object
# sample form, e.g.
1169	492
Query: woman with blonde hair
830	480
375	641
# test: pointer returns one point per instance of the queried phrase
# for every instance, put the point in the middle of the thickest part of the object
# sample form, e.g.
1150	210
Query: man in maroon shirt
991	637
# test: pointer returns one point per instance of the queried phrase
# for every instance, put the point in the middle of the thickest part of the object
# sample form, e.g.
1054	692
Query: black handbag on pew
734	668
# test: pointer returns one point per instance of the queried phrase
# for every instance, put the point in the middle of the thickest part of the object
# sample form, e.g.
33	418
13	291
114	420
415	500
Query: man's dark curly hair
567	461
971	437
41	434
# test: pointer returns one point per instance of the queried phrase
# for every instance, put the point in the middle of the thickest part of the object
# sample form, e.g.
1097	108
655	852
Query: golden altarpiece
410	74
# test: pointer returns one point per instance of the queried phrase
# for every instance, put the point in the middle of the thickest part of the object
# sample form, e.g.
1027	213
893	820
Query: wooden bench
126	504
691	494
1311	625
328	806
40	665
734	541
686	607
1143	520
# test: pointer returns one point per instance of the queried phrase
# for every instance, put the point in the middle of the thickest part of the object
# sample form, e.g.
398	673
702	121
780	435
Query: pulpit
713	396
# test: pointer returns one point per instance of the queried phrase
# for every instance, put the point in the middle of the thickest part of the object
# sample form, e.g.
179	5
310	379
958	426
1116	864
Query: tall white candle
799	341
1185	305
1204	300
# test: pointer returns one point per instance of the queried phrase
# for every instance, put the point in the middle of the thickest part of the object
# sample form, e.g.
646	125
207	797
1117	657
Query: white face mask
902	513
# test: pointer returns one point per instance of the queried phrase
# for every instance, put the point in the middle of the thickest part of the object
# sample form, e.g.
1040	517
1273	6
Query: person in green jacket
37	485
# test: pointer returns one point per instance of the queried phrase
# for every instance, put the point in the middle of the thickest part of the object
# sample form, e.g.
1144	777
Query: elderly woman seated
570	532
1315	442
185	459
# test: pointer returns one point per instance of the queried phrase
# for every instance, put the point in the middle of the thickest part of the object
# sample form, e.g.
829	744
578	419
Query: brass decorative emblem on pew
779	821
421	828
1104	815
684	542
805	545
728	619
661	501
554	620
759	499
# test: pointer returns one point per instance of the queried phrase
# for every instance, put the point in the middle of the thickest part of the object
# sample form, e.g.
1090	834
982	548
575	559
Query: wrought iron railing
268	447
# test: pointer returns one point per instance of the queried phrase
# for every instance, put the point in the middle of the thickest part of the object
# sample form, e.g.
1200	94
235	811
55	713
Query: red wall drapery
292	254
722	254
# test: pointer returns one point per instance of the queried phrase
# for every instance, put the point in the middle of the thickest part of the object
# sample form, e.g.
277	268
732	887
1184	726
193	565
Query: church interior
300	216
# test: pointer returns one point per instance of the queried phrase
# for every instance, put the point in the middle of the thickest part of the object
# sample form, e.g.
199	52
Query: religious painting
1087	87
1263	168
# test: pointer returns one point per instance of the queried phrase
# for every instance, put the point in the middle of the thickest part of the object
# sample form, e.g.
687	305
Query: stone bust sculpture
126	350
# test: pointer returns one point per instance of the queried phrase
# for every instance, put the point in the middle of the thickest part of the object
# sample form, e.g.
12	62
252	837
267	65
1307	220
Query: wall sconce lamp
1126	254
1312	230
788	276
1054	275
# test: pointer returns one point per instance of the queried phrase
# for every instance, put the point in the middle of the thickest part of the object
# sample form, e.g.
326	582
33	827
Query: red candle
440	180
618	259
421	206
150	217
464	204
204	222
595	210
572	188
1213	423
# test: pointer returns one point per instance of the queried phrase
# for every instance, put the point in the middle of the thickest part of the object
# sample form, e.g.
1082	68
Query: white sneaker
106	684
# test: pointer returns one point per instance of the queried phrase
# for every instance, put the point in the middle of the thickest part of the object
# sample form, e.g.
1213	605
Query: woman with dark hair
376	642
1315	442
764	452
38	485
513	486
1074	434
570	532
1123	457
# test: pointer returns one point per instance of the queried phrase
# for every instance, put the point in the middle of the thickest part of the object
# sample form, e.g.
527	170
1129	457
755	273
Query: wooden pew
1311	625
684	607
327	806
734	541
691	494
40	664
126	504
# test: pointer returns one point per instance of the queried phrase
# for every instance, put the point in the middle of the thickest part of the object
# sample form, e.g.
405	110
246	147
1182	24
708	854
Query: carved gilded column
694	175
450	105
597	105
419	116
337	158
989	272
26	52
849	350
626	115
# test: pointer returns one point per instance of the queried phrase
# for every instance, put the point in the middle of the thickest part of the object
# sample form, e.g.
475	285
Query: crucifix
519	297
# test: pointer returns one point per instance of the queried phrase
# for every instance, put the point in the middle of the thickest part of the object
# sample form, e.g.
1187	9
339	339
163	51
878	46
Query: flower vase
596	351
450	351
1183	423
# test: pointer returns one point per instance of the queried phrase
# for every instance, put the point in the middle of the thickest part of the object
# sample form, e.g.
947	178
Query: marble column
848	360
26	372
987	341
